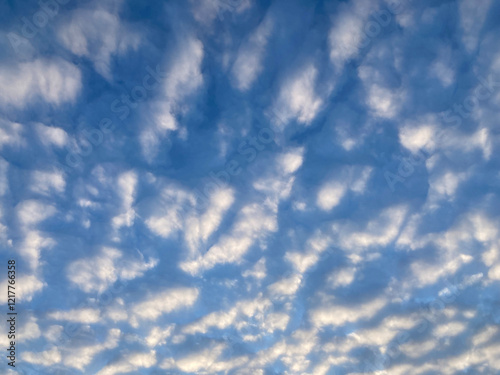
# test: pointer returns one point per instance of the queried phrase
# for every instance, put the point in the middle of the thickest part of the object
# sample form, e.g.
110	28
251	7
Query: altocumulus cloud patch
250	187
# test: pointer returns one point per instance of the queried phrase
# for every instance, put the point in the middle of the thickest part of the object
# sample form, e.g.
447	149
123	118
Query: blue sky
251	187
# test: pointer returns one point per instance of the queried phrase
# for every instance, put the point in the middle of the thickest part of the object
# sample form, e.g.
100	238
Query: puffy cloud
472	17
337	315
162	303
130	363
182	80
127	186
53	81
331	192
45	358
84	315
79	357
11	134
98	273
82	33
47	182
248	63
347	35
51	135
298	98
157	336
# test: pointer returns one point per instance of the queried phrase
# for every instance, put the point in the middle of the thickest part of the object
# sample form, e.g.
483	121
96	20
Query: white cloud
157	336
248	63
98	273
46	358
258	271
97	34
449	329
253	222
31	212
53	333
420	136
472	16
127	186
26	286
132	362
83	315
337	315
51	135
171	208
162	303
200	228
298	98
330	195
32	245
30	329
204	361
342	277
54	81
379	231
347	35
237	316
44	182
182	80
286	287
80	356
350	179
10	133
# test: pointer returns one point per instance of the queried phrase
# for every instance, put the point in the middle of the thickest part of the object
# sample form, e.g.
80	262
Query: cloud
44	182
132	362
82	33
98	273
337	315
82	315
248	63
127	186
157	336
347	35
54	81
298	98
11	134
51	135
472	17
79	357
331	192
183	78
163	302
45	358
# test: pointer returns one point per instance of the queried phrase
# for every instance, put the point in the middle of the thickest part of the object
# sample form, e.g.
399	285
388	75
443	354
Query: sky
251	186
